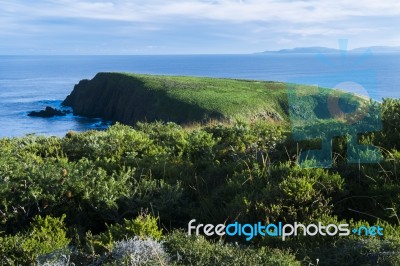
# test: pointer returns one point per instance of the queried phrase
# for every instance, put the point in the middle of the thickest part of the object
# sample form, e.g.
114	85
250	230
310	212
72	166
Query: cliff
129	98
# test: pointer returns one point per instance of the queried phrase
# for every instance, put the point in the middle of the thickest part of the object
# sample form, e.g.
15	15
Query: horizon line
232	53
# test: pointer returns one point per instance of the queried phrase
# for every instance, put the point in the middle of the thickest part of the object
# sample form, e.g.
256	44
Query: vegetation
128	98
124	196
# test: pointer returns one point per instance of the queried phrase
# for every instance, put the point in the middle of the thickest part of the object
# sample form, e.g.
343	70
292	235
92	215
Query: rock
127	99
48	112
267	115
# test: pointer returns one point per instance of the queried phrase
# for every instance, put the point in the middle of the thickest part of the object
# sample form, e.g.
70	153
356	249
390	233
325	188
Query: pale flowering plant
136	251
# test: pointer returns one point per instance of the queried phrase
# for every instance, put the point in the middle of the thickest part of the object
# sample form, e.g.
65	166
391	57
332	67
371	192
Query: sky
193	26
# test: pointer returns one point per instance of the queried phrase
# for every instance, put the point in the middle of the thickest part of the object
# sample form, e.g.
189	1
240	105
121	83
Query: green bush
11	251
46	236
245	172
279	193
391	124
143	226
192	250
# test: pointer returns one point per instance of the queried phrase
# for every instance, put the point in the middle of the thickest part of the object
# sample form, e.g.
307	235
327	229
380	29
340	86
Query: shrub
46	240
46	235
10	249
143	226
170	136
215	174
200	148
138	251
279	193
192	250
391	124
363	251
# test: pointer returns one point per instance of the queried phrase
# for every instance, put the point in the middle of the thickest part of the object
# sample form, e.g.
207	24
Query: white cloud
220	10
266	22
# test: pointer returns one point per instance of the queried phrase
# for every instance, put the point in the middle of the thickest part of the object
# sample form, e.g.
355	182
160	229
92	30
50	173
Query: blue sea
30	83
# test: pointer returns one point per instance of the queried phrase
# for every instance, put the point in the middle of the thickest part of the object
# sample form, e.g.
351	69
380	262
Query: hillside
128	98
325	50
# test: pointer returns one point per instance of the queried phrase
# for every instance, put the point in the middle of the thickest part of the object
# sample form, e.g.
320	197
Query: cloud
220	10
266	22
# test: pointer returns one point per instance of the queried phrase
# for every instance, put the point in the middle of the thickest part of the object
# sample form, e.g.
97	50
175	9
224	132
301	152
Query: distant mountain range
324	50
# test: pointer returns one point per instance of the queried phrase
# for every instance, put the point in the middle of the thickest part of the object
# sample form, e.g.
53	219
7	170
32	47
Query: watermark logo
322	114
249	231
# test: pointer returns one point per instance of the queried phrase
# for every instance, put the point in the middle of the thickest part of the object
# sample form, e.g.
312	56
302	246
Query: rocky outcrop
267	115
127	99
48	112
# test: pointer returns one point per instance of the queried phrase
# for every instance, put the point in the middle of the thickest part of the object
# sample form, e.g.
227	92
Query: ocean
30	83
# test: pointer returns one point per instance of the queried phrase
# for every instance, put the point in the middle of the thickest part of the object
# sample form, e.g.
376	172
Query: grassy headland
128	98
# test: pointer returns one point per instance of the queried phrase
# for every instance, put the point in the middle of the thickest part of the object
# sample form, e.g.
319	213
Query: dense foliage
125	195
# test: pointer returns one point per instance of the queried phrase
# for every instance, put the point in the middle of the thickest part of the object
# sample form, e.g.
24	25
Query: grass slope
228	97
129	98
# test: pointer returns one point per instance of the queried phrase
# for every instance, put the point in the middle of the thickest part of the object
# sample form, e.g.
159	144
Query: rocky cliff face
127	99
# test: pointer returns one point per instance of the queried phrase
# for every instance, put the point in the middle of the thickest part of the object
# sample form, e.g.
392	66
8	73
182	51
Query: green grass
232	98
226	96
128	98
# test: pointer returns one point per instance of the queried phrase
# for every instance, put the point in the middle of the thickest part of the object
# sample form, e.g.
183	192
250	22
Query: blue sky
192	26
